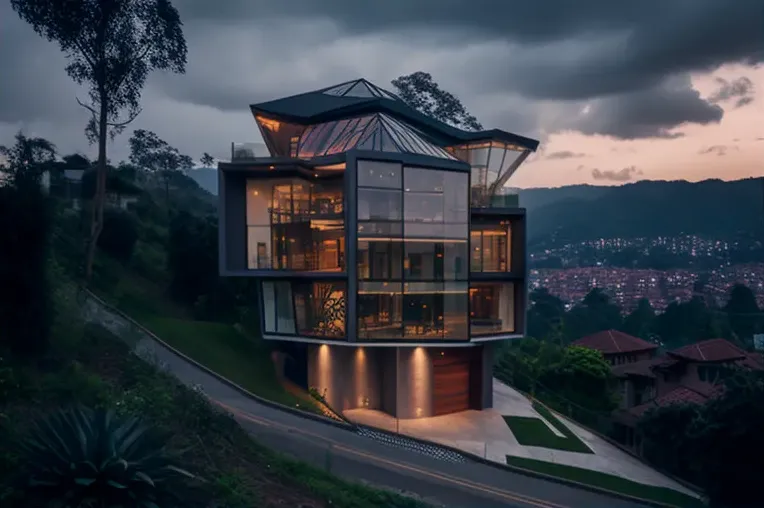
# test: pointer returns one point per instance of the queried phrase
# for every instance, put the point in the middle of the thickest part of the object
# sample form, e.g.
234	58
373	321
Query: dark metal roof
325	105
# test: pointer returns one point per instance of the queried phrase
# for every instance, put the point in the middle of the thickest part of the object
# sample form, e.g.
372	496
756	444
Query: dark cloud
740	89
528	67
572	50
652	113
718	150
620	175
565	154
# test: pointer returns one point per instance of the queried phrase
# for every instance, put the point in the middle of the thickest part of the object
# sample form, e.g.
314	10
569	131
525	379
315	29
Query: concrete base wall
398	381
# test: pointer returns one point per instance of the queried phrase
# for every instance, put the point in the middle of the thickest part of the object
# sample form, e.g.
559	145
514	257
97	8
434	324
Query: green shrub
74	383
84	457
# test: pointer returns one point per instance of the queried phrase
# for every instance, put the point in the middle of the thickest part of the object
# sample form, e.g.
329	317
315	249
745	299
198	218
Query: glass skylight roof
360	88
378	132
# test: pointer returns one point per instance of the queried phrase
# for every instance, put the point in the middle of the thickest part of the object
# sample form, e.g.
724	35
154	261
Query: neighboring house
390	258
690	374
618	347
120	200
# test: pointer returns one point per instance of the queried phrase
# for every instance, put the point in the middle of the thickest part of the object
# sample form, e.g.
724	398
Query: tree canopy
420	91
679	324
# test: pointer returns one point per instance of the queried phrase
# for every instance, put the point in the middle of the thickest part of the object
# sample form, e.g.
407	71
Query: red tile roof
679	395
754	361
613	342
712	350
641	368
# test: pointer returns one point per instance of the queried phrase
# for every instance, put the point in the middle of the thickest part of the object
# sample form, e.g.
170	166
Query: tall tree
422	93
207	160
545	316
26	308
594	314
639	322
743	313
112	46
151	153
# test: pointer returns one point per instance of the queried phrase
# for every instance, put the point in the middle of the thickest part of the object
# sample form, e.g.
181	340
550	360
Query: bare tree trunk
96	221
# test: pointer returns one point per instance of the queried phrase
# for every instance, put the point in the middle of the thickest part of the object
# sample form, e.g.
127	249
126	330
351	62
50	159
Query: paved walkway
485	433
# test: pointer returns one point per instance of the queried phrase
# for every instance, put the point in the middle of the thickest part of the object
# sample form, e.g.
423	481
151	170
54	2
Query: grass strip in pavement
534	432
607	481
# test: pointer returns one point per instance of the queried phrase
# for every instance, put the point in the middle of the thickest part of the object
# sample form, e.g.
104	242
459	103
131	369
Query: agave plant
79	457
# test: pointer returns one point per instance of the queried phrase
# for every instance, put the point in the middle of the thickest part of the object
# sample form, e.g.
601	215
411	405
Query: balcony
504	197
248	151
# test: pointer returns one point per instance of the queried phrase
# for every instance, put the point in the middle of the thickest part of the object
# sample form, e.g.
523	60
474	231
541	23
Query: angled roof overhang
324	106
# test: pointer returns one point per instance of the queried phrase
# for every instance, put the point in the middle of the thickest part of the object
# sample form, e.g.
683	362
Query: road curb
527	472
222	379
345	426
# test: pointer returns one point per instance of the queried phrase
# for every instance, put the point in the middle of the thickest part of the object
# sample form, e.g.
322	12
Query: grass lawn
534	432
223	349
606	481
218	346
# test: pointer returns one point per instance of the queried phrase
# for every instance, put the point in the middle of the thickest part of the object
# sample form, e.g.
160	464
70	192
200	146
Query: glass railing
246	151
500	198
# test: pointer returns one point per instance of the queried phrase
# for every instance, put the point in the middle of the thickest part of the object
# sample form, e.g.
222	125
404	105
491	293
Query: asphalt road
359	458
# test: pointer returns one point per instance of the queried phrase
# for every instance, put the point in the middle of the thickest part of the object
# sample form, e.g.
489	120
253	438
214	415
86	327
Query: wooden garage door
451	382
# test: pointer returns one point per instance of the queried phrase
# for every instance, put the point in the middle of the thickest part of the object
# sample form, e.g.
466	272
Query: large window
413	252
277	306
314	309
491	247
493	163
320	309
380	310
295	225
492	308
380	259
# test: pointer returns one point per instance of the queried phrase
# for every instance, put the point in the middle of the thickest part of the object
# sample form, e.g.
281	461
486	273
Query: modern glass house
387	248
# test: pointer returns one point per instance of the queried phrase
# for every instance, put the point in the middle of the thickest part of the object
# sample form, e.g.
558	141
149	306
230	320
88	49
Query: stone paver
486	434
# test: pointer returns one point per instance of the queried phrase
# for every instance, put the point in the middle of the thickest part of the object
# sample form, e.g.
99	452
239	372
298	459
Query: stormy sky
617	91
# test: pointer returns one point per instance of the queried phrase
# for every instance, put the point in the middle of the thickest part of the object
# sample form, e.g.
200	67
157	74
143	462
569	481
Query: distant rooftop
711	350
611	342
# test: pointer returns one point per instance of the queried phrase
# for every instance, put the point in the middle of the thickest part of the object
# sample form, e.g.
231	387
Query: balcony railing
247	151
504	197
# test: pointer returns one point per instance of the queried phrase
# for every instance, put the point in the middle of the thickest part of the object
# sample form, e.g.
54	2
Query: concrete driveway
485	433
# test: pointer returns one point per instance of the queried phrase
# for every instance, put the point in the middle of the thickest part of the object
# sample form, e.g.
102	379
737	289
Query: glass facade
378	132
492	308
312	309
412	252
491	247
493	163
278	136
295	225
